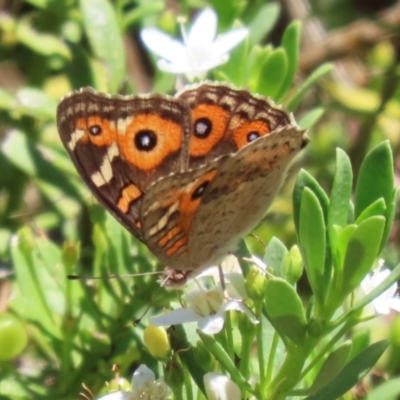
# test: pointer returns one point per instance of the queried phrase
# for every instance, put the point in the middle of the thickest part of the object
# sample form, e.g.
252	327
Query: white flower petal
212	324
203	29
174	68
163	45
227	41
179	316
220	387
117	396
238	306
394	304
142	377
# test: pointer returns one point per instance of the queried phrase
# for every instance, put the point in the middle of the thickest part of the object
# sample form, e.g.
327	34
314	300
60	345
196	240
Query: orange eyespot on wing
247	132
209	125
148	139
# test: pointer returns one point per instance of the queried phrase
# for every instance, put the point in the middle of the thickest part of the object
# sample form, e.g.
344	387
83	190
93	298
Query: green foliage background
50	225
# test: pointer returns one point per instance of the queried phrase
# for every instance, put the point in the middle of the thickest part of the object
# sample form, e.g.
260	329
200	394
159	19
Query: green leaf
376	178
312	238
341	190
254	64
352	373
285	310
377	208
390	214
389	390
361	252
304	179
309	82
310	118
291	44
263	22
274	255
41	43
332	366
273	74
105	38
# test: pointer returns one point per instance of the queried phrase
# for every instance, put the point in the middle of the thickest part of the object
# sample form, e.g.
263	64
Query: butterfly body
188	175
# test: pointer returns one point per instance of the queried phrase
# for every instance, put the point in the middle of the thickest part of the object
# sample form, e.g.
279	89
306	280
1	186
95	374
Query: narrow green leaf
311	117
352	373
341	190
254	64
223	357
377	208
376	178
312	238
332	366
390	214
309	82
304	179
273	74
105	39
291	44
263	22
361	252
285	310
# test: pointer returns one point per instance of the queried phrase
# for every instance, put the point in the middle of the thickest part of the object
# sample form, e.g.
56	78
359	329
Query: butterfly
188	175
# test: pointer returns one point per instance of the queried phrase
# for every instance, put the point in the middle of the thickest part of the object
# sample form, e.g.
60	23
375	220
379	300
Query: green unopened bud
203	357
292	265
255	285
246	326
174	376
157	343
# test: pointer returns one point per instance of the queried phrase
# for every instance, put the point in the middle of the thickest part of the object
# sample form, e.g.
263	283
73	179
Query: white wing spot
76	136
105	174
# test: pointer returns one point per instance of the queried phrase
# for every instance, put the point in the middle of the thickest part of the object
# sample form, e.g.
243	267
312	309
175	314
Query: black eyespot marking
145	140
251	136
200	190
95	130
202	128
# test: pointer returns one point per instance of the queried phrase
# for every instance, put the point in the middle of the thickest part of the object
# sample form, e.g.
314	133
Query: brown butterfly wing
120	145
226	119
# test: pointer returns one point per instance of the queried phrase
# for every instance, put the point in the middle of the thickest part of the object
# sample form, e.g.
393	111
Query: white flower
207	307
219	387
144	387
387	300
199	52
117	396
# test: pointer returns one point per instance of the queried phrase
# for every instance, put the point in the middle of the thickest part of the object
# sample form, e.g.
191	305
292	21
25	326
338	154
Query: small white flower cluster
199	52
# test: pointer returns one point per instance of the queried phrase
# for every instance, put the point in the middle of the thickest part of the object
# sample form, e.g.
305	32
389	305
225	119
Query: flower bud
255	285
157	343
292	265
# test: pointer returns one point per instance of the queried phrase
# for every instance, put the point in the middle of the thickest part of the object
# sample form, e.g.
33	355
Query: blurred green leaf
263	22
389	390
273	74
353	372
105	38
321	71
332	366
378	207
291	45
311	117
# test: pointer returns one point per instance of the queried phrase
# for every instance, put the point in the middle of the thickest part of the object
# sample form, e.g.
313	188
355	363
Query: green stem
260	350
271	358
229	337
